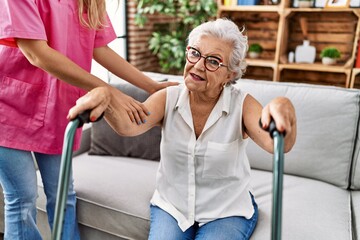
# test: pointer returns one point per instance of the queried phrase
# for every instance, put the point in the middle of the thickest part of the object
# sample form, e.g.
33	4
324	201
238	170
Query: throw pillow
105	141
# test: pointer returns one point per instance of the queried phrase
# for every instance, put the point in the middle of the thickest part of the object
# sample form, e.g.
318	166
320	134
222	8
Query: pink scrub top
34	104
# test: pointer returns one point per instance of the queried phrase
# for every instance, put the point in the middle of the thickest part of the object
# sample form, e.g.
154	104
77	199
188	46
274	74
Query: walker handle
84	117
271	128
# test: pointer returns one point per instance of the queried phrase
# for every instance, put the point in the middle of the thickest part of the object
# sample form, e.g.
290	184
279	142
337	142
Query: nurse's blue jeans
164	227
18	180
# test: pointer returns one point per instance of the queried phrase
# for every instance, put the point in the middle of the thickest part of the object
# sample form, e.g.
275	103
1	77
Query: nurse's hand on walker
101	99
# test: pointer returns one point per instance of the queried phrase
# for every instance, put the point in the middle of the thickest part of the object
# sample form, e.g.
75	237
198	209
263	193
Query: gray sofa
321	197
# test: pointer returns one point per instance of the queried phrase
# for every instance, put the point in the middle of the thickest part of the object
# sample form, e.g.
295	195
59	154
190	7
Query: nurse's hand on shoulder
161	85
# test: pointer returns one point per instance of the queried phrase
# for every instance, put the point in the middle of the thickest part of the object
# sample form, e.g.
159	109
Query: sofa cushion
113	194
105	141
122	195
327	120
117	203
355	181
311	209
355	201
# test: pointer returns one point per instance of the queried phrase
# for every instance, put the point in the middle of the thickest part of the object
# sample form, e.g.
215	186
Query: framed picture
337	3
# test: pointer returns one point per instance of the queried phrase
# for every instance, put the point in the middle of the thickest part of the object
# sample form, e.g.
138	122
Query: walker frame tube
65	171
64	178
278	169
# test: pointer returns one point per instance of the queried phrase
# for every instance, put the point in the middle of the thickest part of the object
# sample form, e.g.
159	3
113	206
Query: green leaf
169	43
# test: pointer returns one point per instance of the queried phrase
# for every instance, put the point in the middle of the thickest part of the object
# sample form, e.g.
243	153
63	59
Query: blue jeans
18	180
164	227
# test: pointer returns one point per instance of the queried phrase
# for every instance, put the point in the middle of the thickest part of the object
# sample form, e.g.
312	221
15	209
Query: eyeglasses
211	63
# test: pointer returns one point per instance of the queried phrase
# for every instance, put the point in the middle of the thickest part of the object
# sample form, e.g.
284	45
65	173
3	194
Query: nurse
46	48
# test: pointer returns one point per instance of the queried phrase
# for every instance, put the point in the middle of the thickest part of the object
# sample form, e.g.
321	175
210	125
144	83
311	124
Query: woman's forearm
41	55
118	117
109	59
111	101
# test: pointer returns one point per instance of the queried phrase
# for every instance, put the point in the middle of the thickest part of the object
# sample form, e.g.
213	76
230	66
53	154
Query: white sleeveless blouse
200	180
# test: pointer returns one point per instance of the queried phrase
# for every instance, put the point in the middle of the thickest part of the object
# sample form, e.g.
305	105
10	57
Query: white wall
116	11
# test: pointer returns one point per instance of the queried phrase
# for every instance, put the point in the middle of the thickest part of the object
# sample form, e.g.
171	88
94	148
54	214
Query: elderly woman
203	182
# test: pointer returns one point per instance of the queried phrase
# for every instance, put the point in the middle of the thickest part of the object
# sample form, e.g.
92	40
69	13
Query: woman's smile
196	77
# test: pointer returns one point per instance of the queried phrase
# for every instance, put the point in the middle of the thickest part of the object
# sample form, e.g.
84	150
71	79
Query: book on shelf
230	2
357	60
248	2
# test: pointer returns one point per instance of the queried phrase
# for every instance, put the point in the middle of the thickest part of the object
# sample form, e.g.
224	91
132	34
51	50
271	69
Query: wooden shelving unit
277	29
355	78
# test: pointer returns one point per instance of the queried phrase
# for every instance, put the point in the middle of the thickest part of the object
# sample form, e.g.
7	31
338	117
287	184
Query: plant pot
305	4
254	54
328	61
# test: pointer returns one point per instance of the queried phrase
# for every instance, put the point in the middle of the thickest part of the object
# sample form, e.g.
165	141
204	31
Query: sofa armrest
85	140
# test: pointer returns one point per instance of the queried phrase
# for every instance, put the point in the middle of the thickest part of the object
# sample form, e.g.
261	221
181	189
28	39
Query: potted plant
329	55
168	41
255	50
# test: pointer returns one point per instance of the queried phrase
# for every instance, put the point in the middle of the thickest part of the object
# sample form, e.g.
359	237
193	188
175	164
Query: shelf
260	63
319	10
278	8
245	8
319	67
260	73
316	73
355	82
278	30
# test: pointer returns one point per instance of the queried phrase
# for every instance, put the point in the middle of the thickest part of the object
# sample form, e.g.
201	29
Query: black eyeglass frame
205	57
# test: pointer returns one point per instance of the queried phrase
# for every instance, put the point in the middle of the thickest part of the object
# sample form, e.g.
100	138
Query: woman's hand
283	112
97	100
136	110
106	98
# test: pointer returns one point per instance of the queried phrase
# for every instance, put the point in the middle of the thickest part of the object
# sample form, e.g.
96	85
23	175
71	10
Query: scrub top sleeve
20	19
105	35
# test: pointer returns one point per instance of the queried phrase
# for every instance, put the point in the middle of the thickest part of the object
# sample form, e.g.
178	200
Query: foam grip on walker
84	117
271	128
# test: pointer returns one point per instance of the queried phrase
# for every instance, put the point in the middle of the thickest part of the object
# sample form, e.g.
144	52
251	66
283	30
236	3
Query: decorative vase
305	53
254	54
328	61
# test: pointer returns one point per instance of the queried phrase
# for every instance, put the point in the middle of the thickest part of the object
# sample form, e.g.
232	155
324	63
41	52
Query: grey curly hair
228	31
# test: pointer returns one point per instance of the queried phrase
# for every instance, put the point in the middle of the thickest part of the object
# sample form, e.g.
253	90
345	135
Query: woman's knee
164	227
17	175
22	192
237	228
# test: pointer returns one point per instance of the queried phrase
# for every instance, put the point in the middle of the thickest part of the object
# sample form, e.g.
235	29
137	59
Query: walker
66	161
